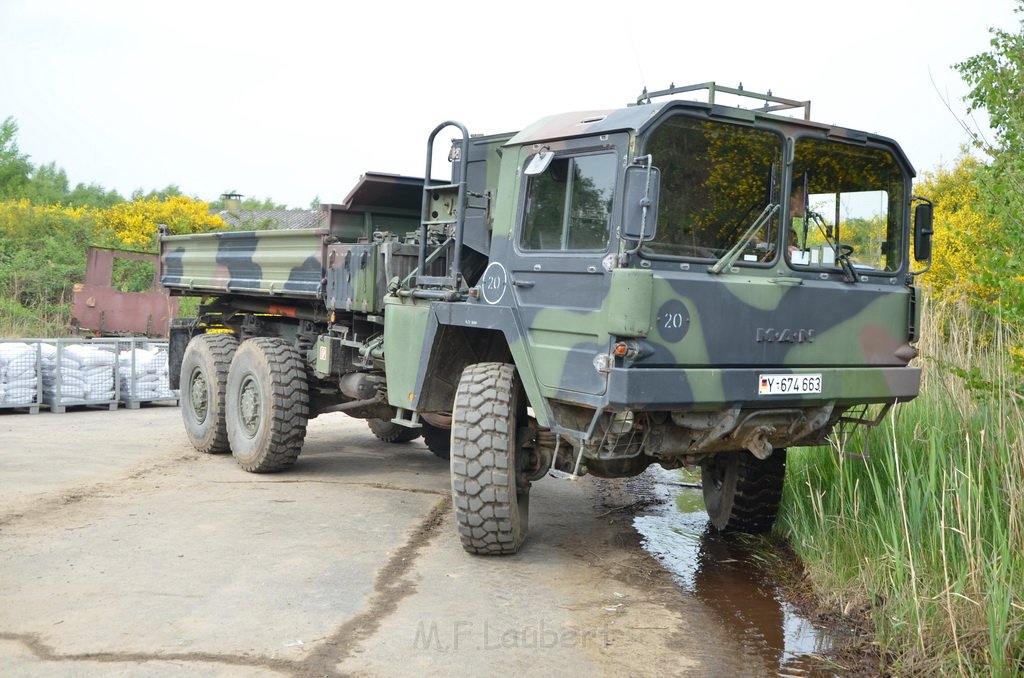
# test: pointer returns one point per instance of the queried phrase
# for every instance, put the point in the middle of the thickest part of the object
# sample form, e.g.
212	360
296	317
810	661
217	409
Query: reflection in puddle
723	574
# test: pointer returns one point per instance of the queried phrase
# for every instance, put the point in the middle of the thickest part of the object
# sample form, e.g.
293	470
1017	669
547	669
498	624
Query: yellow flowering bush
43	252
966	236
963	230
21	217
134	224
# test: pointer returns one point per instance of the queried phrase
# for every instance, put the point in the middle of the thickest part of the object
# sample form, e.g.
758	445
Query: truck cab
682	283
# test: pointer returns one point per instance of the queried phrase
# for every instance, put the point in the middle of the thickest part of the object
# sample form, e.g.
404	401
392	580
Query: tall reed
918	522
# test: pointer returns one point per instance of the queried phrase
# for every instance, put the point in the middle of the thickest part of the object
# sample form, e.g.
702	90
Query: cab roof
637	119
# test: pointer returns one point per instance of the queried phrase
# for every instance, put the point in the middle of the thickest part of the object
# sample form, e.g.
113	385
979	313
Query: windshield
853	207
720	188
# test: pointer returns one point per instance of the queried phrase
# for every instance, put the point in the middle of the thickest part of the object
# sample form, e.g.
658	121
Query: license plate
788	384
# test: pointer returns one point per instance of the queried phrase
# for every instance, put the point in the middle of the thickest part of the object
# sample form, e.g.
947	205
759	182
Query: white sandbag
94	372
67	391
89	356
18	396
17	353
17	361
145	360
144	374
21	382
19	370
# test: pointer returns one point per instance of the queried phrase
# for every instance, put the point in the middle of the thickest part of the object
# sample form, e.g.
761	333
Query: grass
54	320
918	523
17	322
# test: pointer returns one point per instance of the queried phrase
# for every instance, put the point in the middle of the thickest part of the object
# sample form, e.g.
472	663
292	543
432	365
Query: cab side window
569	205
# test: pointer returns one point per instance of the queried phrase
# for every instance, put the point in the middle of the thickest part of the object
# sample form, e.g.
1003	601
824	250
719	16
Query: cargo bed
281	263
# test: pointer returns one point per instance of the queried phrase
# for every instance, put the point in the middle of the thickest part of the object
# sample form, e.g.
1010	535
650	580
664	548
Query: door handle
523	283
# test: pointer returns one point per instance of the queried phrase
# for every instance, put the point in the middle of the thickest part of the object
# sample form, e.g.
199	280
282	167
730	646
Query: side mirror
539	163
640	216
923	232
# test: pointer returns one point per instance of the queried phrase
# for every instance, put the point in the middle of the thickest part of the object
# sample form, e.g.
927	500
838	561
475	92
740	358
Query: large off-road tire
490	495
204	376
389	432
742	492
438	440
267	404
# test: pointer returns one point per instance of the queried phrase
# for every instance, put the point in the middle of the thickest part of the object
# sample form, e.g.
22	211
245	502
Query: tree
172	191
93	195
997	81
14	166
48	184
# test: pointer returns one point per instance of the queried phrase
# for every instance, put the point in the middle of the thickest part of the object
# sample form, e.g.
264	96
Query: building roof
263	219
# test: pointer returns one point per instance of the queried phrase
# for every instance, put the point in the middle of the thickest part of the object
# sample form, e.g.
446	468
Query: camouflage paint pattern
266	263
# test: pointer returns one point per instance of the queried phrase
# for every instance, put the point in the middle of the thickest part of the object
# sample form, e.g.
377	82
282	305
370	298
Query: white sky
293	100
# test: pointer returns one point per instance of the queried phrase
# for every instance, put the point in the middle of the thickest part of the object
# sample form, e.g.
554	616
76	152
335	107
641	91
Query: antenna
636	57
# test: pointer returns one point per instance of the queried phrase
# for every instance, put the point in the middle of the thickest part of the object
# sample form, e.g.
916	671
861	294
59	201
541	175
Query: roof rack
771	102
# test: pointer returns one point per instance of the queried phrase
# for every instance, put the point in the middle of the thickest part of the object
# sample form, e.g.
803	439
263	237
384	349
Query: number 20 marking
673	321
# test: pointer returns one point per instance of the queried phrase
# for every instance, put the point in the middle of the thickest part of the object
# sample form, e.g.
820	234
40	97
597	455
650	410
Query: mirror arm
923	270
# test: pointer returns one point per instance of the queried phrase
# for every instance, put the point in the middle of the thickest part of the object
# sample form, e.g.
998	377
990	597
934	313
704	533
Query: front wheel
741	492
267	404
491	495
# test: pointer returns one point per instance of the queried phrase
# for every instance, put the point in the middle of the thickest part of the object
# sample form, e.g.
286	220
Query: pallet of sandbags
77	372
143	370
20	382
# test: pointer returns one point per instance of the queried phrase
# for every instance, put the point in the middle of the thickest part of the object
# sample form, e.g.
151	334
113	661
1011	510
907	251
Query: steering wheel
843	251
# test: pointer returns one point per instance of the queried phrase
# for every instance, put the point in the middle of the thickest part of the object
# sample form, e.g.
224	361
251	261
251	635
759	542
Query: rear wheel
438	440
491	495
742	492
267	404
391	432
204	376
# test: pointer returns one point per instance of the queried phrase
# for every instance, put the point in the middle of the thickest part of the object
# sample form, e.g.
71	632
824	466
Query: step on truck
678	281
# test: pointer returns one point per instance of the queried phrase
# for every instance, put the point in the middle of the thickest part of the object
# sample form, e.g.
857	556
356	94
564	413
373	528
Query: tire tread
289	409
490	519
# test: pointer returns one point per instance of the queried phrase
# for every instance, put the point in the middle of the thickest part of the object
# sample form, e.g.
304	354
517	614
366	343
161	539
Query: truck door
559	269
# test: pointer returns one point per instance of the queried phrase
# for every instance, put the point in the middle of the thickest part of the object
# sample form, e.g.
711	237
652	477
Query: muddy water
725	575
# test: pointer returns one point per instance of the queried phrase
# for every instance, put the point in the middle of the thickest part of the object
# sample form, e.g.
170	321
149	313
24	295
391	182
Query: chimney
232	201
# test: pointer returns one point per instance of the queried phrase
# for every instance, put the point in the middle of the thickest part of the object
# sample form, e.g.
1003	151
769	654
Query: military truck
678	281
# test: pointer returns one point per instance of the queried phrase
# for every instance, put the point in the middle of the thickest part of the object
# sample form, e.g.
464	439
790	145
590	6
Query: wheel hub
199	397
717	469
249	405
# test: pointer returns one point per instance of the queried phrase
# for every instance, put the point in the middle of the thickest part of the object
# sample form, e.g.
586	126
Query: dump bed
283	263
290	265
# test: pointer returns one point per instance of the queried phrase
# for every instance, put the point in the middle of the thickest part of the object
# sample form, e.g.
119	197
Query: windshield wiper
730	257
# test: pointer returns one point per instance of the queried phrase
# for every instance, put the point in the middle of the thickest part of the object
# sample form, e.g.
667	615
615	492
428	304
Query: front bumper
654	389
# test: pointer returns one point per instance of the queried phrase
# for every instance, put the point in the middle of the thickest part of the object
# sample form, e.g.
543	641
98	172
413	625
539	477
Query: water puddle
725	575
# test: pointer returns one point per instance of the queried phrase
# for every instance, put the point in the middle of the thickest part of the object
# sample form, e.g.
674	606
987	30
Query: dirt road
124	552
